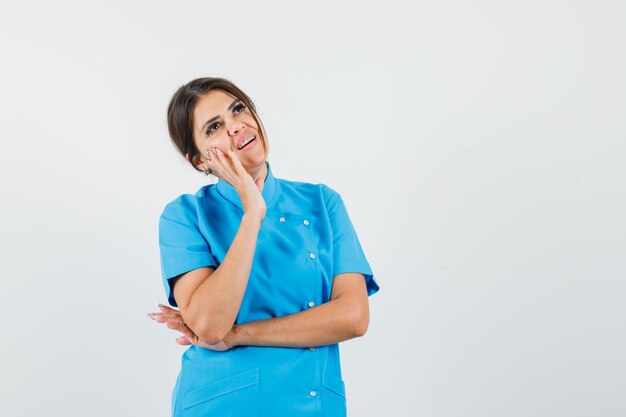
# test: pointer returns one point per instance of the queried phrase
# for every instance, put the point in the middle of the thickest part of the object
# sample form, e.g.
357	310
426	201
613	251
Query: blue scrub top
305	240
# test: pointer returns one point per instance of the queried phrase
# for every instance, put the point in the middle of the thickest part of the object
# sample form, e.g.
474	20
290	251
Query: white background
479	147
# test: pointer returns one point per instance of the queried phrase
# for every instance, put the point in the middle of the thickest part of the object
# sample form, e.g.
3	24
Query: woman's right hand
228	167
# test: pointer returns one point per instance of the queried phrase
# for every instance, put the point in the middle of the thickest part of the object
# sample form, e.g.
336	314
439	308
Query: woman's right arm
209	298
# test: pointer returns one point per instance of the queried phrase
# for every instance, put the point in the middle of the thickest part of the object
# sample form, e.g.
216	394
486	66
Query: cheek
249	120
222	142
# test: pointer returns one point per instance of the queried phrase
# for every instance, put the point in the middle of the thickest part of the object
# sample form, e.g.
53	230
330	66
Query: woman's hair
181	107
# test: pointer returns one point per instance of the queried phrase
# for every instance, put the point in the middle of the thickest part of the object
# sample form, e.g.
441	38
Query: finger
260	183
224	166
214	157
219	156
158	317
170	313
180	328
232	168
190	334
237	163
212	163
183	340
177	321
165	317
227	158
168	309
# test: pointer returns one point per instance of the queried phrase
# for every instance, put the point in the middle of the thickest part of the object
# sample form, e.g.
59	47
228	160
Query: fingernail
161	305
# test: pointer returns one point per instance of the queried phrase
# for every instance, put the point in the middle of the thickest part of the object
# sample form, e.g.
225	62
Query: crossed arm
344	317
209	298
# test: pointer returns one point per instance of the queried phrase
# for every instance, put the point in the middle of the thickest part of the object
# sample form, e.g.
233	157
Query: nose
235	127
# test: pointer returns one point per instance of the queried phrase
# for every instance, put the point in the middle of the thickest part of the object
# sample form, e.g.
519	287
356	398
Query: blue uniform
305	240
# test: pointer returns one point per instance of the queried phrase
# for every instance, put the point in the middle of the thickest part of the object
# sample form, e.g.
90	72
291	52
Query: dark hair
181	107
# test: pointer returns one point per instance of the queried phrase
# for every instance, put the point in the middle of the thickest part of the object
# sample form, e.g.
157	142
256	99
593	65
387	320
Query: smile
247	142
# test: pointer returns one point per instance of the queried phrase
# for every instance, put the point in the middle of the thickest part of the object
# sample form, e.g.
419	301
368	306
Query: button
282	220
311	349
305	222
312	393
311	303
312	255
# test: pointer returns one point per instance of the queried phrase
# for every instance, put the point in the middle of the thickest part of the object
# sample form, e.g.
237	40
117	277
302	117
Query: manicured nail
161	305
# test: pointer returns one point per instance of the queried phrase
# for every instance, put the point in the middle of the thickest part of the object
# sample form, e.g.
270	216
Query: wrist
231	338
252	218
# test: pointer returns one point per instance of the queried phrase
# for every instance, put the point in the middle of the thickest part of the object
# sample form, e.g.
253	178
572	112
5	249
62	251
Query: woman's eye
210	129
239	108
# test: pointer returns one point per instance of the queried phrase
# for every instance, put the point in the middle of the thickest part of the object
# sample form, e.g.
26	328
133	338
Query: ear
197	162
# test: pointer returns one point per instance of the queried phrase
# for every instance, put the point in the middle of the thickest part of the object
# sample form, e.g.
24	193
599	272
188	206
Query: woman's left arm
345	316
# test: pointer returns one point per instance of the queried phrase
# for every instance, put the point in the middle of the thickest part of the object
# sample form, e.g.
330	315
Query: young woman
268	274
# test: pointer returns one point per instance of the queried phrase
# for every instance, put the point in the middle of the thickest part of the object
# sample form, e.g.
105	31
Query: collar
269	189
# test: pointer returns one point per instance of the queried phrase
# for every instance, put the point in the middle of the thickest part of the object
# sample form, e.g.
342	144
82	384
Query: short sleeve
182	246
348	255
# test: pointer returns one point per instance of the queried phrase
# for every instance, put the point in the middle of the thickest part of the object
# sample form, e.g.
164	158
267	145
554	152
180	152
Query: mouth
247	142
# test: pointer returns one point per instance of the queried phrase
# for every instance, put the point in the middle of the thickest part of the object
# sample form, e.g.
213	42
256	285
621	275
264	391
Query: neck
259	172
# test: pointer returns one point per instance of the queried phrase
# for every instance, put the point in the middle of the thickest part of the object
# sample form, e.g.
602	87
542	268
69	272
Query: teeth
246	142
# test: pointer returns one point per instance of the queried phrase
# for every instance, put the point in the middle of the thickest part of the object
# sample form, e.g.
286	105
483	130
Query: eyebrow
212	119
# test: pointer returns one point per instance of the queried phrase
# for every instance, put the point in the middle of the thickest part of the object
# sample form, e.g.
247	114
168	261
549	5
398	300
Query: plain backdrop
479	147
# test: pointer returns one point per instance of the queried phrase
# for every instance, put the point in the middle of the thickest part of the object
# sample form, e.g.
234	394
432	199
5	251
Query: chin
256	160
253	164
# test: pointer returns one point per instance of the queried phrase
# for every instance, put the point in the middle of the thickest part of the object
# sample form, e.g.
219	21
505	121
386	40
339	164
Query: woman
268	274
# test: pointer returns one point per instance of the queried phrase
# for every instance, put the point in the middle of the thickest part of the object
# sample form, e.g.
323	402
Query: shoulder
319	188
329	193
312	192
185	207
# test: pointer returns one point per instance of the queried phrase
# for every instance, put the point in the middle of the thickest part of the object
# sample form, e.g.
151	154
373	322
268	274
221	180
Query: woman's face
221	120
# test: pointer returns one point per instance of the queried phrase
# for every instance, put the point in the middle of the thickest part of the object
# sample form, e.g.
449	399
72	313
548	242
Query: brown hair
181	107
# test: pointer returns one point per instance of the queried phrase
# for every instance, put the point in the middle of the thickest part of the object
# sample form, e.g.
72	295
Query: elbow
211	336
360	328
209	327
359	318
210	333
360	324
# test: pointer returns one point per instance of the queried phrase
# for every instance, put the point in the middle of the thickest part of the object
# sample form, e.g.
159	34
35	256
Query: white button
311	349
312	393
282	220
312	255
305	222
311	303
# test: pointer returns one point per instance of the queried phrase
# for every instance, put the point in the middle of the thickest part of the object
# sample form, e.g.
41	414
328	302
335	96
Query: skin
209	298
224	132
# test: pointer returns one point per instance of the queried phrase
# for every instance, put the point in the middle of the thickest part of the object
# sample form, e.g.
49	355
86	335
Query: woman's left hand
173	320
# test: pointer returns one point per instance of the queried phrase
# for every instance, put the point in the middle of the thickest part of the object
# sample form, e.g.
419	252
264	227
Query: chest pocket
294	242
286	275
299	229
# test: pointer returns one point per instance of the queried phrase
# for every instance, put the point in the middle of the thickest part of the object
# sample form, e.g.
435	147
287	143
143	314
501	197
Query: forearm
215	304
328	323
